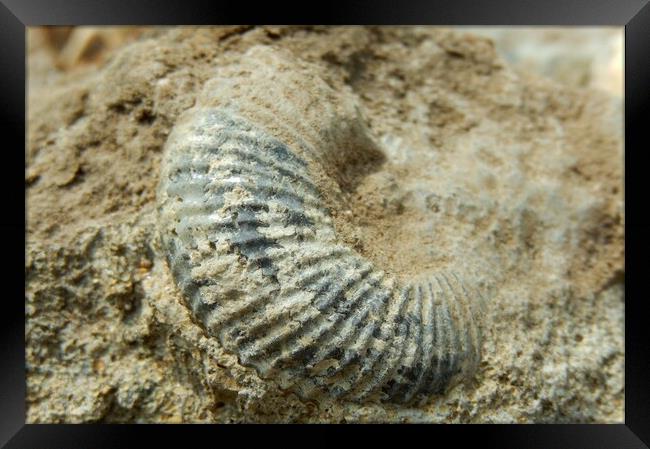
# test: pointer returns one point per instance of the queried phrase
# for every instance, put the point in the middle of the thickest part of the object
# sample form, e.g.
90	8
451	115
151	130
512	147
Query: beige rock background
517	167
574	56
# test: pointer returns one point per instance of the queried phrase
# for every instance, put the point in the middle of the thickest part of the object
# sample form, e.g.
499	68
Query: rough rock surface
521	179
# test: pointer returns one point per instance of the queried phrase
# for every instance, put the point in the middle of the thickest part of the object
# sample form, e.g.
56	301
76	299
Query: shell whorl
254	250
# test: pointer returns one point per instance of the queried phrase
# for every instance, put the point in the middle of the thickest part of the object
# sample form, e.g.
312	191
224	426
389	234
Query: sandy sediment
514	178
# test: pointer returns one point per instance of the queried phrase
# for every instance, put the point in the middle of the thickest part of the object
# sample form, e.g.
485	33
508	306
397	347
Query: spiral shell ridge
255	253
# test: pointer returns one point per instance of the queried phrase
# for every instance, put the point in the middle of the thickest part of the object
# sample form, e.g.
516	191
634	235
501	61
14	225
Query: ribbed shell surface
254	251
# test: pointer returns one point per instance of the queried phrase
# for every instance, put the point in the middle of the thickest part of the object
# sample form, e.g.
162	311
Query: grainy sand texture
482	162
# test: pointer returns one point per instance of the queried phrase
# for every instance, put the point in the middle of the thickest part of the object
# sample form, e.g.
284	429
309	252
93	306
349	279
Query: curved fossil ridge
255	253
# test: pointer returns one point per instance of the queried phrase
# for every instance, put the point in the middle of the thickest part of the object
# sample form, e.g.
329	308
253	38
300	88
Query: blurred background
575	56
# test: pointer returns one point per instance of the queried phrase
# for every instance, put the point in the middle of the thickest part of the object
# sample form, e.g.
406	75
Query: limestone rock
515	178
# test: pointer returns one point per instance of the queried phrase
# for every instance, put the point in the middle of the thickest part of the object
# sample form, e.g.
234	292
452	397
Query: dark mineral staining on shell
254	251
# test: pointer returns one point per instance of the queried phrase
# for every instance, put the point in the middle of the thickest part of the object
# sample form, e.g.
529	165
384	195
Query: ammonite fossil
252	245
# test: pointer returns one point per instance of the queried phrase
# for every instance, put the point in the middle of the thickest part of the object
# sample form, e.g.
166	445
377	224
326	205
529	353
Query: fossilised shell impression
253	248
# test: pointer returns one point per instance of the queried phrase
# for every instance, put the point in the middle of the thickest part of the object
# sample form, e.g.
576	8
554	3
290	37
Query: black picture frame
634	15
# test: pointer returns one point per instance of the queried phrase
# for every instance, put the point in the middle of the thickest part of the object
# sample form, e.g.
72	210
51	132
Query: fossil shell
253	248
